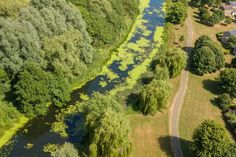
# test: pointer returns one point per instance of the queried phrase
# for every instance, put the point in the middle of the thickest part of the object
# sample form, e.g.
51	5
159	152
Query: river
37	131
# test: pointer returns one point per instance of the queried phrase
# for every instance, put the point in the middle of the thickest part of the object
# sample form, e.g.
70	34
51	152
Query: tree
210	139
66	150
224	101
207	56
110	135
31	90
232	42
177	12
203	60
106	126
227	81
154	96
175	60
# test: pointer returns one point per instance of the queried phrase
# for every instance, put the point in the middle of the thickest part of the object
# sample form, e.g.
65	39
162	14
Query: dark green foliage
210	3
207	56
66	150
230	117
35	88
233	62
232	42
32	91
203	60
224	101
227	81
175	60
210	139
177	12
107	19
231	152
154	96
4	82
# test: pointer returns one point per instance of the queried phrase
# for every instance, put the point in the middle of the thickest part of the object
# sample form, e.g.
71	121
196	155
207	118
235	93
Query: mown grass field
201	90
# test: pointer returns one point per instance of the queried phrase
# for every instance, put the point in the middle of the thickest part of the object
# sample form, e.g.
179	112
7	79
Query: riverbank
8	134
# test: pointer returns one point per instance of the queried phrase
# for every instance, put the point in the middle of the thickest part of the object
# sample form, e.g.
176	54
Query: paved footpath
176	104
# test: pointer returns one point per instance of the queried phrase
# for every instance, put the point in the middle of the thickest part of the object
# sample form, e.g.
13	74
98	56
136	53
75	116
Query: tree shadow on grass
165	145
211	86
133	101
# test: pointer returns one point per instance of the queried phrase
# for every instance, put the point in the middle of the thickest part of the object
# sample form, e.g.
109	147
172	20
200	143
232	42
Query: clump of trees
107	19
176	11
210	139
207	56
35	88
11	8
211	17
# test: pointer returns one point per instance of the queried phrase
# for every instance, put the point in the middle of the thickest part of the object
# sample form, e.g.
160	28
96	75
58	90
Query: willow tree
154	96
110	136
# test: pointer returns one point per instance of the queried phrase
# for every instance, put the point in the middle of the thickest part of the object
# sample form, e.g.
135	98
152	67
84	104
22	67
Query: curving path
176	104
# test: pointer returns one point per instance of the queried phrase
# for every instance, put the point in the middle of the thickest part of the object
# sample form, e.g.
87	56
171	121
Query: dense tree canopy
106	19
57	39
210	139
207	56
227	81
35	88
154	96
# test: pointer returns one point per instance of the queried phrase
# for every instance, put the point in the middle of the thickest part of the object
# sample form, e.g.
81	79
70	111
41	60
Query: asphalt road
176	104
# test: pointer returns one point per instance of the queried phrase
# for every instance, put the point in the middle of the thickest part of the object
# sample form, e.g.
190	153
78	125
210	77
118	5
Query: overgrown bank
56	45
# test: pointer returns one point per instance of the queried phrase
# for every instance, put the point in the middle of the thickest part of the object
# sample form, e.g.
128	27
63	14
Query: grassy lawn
150	134
197	107
201	90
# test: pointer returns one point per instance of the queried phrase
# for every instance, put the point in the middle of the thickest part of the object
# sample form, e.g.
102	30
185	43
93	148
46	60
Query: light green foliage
57	39
231	152
175	60
210	139
227	81
66	150
177	12
154	96
9	115
11	7
110	135
161	73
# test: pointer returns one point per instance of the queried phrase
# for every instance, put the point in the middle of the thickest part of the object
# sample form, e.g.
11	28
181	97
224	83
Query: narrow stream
38	130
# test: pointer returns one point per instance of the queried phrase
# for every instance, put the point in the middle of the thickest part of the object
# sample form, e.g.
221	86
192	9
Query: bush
227	81
210	139
224	101
154	97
